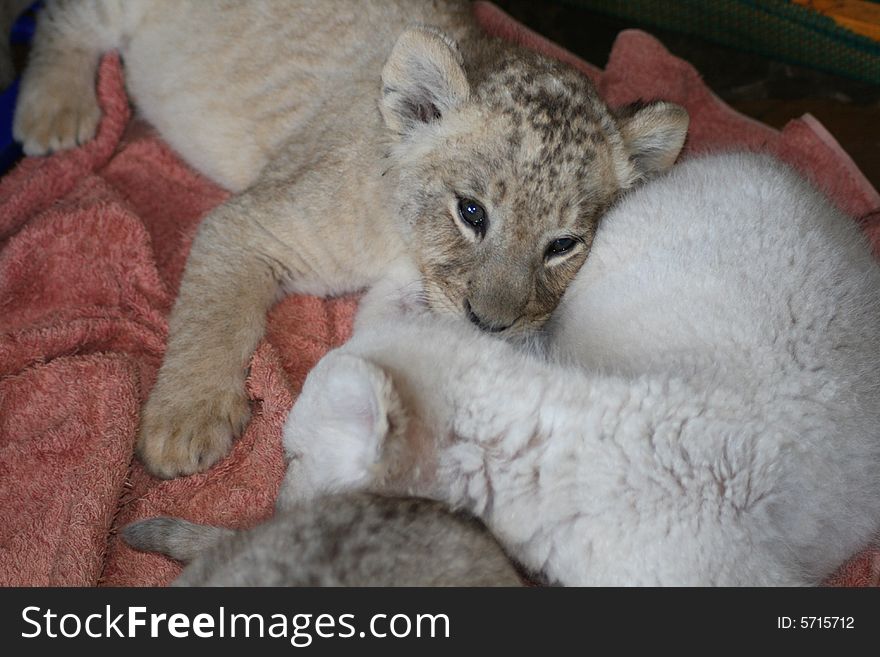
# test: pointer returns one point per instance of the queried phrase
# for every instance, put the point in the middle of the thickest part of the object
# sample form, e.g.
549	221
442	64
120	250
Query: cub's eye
561	246
473	214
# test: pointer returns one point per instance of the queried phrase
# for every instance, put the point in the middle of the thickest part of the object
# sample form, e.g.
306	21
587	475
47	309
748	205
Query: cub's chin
439	300
521	327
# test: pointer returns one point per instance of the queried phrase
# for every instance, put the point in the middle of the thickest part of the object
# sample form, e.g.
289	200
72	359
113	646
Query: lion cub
357	136
338	540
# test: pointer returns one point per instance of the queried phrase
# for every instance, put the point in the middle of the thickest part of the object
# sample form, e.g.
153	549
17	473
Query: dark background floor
767	90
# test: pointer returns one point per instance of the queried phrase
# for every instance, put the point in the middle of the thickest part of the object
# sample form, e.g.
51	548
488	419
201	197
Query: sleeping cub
357	136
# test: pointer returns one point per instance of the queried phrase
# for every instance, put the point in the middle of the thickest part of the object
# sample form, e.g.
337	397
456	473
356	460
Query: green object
773	28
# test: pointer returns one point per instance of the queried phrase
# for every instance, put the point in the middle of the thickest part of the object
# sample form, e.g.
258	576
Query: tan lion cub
356	137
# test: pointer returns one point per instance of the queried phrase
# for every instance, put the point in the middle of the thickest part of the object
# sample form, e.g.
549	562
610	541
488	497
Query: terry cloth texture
92	246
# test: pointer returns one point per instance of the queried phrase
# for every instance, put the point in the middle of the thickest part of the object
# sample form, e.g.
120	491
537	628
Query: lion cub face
503	174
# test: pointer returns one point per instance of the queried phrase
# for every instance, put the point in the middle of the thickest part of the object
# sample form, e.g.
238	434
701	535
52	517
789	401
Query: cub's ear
423	79
653	134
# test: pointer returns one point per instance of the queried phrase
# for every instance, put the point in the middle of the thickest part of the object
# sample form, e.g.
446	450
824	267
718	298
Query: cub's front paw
178	439
56	110
334	435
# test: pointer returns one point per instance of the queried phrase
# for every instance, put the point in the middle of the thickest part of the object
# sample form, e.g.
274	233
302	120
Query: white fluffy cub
708	413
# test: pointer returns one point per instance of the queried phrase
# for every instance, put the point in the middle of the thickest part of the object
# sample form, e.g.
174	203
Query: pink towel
92	246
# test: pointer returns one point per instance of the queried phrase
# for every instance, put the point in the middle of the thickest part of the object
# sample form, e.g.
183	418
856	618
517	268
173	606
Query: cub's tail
179	539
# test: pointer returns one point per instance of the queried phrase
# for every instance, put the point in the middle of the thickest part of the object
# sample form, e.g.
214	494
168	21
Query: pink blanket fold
92	246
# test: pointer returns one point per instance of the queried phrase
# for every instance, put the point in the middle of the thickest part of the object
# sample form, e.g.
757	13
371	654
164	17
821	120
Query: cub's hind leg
57	107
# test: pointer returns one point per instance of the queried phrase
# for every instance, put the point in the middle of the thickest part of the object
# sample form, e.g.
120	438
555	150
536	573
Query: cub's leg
57	107
198	403
286	230
241	254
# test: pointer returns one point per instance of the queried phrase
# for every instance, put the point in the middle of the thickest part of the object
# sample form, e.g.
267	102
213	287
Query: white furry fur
709	413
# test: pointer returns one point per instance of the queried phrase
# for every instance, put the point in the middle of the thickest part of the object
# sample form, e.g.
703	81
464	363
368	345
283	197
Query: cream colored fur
351	132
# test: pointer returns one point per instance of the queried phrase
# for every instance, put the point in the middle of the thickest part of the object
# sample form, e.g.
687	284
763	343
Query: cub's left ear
653	134
423	79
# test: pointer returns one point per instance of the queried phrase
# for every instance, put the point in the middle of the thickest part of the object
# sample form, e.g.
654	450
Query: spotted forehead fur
559	136
557	103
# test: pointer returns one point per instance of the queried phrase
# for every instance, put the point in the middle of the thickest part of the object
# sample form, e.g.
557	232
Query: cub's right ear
654	134
423	79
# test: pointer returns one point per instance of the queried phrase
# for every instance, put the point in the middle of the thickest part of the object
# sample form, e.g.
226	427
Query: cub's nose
479	323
